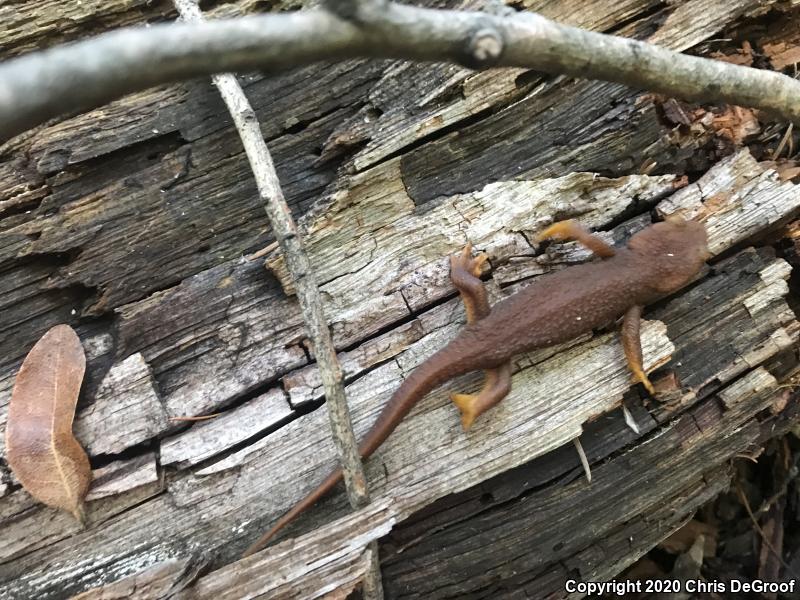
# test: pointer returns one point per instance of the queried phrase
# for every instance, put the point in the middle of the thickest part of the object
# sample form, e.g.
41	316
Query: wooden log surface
133	223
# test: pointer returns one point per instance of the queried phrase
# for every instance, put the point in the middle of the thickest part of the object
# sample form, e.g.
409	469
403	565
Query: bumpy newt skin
553	309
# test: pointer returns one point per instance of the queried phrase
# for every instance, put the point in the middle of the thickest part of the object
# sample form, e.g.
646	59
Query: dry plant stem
87	74
196	418
297	260
757	527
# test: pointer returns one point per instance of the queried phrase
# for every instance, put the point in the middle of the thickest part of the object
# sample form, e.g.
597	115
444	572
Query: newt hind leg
496	387
464	272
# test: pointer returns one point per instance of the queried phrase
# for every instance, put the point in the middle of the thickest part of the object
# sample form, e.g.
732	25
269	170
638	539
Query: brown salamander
555	308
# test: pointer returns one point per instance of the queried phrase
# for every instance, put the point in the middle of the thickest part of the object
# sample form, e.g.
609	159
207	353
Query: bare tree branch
80	76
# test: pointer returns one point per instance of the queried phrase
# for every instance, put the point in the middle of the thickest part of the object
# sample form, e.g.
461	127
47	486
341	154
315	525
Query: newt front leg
464	272
632	344
571	230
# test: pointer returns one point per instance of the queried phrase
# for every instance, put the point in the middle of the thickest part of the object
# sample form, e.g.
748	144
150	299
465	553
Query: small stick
197	418
308	296
587	471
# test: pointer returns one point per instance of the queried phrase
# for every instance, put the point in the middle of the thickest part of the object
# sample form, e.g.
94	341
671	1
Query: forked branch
87	74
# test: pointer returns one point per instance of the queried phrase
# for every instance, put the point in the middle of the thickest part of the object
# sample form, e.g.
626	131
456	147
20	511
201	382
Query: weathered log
428	456
130	223
638	498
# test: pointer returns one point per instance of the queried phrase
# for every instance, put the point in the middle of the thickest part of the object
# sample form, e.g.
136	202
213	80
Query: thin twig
288	238
198	418
787	139
87	74
757	527
263	252
790	475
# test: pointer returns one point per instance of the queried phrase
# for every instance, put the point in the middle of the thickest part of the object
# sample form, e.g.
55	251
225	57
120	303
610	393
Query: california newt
555	308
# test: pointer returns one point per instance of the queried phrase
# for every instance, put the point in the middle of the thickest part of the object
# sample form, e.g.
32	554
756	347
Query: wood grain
139	216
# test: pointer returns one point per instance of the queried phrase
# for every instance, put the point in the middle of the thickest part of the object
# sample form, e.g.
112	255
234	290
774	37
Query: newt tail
427	376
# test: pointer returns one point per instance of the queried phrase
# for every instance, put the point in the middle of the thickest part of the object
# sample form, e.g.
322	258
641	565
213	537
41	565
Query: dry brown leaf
682	540
782	55
41	449
792	230
690	122
787	173
743	56
787	170
736	124
644	569
780	402
677	112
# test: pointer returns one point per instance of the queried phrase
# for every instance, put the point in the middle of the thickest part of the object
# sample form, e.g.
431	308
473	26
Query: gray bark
132	222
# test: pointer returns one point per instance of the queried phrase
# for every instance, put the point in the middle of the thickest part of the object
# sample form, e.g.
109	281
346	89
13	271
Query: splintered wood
497	219
126	410
735	201
132	221
556	391
205	440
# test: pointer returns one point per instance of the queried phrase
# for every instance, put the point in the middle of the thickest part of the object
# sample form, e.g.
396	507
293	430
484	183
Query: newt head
673	251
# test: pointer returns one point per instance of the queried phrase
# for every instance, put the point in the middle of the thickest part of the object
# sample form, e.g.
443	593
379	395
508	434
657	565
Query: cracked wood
145	181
